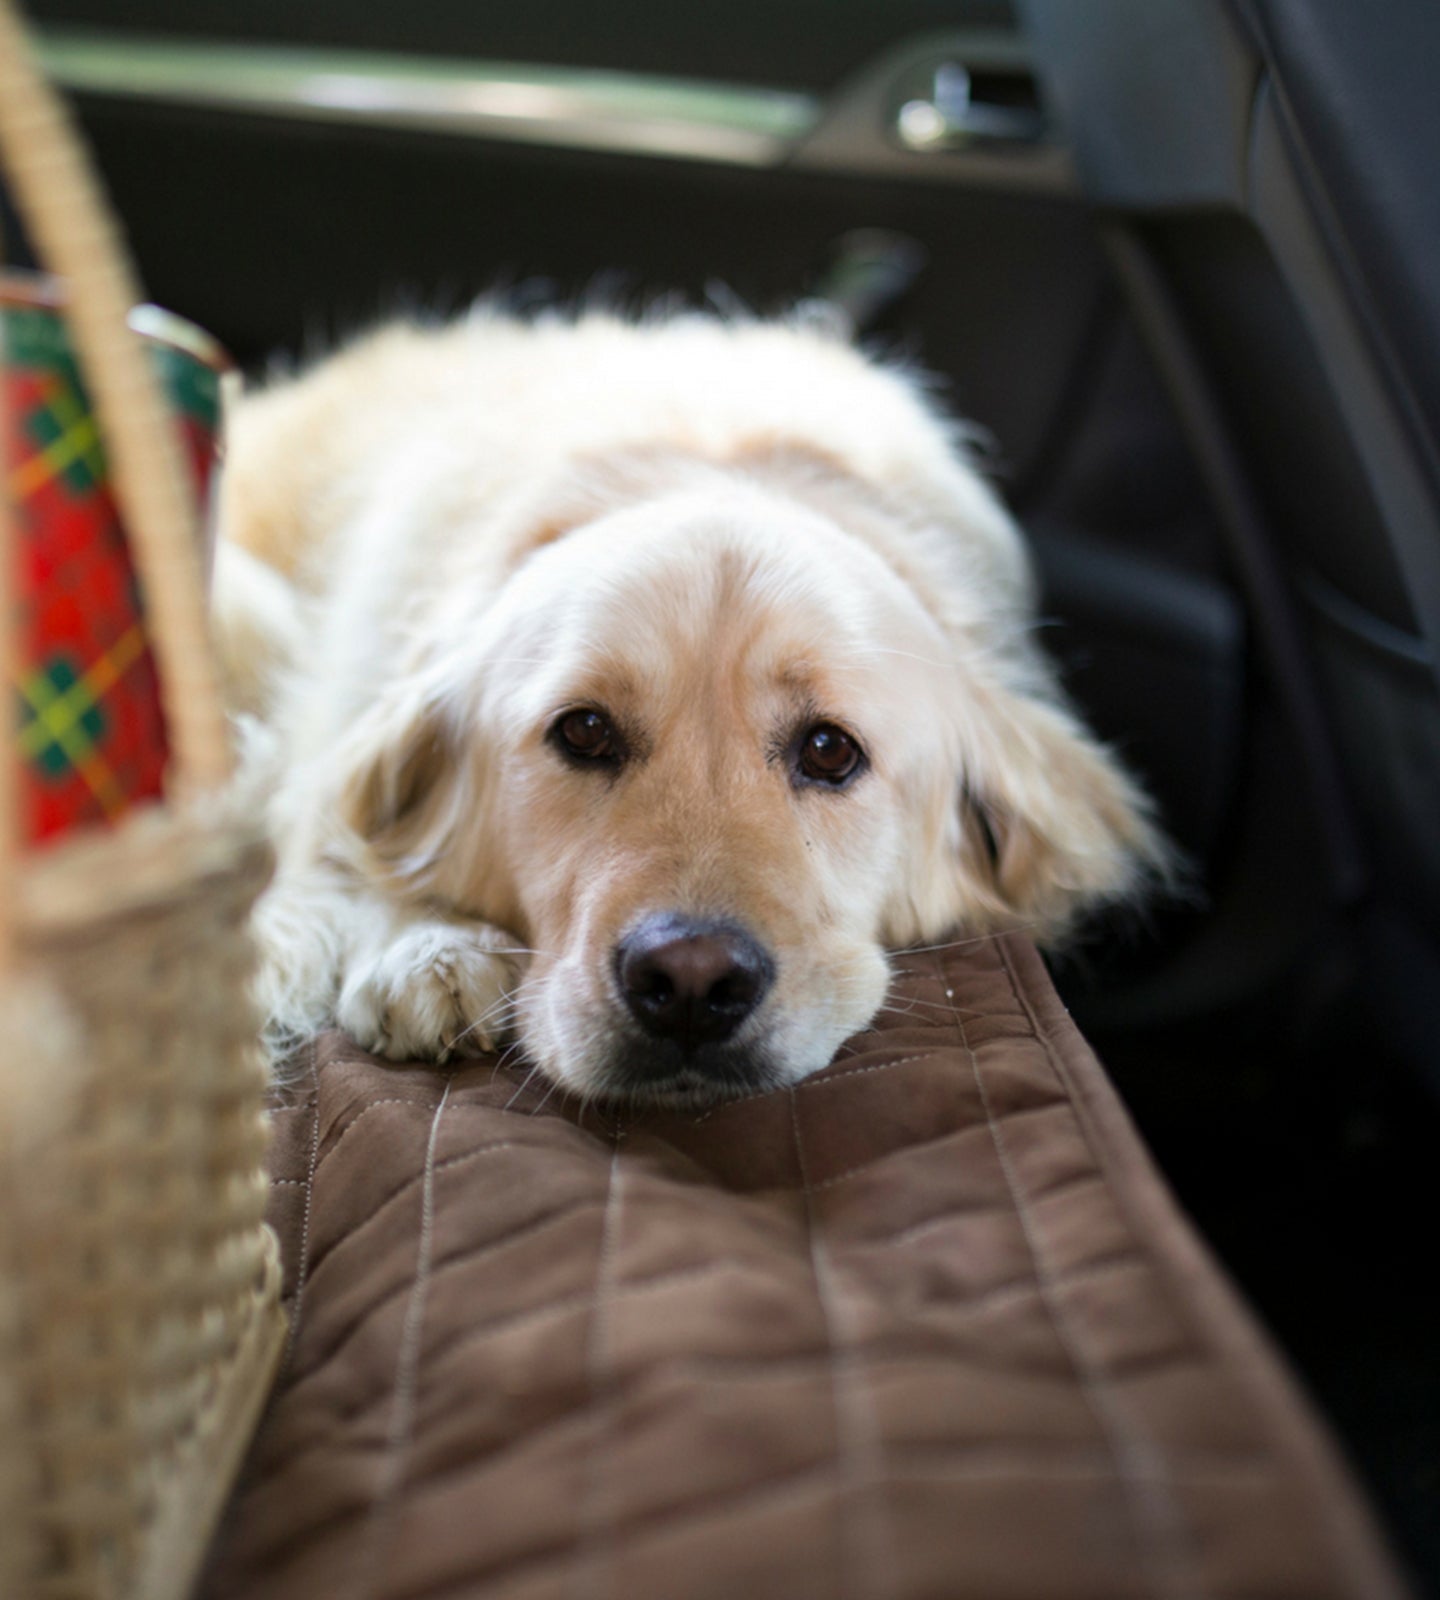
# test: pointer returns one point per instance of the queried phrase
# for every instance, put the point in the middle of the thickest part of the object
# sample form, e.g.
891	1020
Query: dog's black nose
691	981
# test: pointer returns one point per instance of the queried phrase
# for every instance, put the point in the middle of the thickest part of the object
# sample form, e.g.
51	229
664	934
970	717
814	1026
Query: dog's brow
796	678
603	684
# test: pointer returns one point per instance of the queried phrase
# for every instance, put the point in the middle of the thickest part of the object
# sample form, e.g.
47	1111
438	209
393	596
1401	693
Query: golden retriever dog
629	689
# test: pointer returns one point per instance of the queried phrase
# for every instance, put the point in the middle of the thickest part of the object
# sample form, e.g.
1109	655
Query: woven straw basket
139	1319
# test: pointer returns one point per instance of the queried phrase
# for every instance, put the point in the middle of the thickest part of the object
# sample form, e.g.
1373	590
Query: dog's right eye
586	735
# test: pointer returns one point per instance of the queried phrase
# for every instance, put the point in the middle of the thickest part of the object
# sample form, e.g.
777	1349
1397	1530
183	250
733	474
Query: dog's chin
643	1073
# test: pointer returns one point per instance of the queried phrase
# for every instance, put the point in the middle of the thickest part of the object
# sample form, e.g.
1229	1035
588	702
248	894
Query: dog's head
714	745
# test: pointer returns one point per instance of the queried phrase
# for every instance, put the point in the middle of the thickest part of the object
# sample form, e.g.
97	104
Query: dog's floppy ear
398	781
1049	823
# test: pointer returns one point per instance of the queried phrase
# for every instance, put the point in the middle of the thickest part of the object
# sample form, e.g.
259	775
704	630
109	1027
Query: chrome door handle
962	108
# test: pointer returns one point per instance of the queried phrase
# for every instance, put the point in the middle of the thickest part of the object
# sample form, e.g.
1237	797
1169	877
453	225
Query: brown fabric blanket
928	1325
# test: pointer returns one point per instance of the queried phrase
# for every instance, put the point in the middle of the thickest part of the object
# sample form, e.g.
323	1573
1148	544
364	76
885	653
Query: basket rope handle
60	200
9	676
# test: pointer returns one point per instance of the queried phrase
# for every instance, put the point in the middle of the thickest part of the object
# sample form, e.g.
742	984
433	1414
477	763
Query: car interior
1174	259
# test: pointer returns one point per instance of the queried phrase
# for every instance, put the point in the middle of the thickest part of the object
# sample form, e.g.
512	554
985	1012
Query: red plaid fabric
91	735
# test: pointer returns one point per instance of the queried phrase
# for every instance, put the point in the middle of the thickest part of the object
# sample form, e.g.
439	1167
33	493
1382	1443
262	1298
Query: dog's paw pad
433	992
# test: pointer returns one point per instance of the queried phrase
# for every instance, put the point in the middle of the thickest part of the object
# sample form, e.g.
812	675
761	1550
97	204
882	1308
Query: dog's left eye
586	736
829	755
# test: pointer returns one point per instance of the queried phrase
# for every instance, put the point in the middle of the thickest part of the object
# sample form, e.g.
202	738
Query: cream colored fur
438	541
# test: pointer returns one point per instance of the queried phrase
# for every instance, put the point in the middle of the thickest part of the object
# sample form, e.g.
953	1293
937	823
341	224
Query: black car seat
1267	175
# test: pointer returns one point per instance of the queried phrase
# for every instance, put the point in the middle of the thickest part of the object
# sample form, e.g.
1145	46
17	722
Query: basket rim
29	290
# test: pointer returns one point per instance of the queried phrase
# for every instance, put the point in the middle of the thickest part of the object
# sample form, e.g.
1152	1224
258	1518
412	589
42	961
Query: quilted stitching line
375	1105
989	1464
1194	1462
591	1574
488	1149
1059	1280
563	1303
857	1436
1179	1298
865	1166
519	1319
725	1369
811	1083
402	1100
829	1078
572	1301
802	1483
1092	1272
407	1362
520	1232
284	1099
957	1462
918	1230
1139	1466
351	1234
876	1161
302	1270
1097	1155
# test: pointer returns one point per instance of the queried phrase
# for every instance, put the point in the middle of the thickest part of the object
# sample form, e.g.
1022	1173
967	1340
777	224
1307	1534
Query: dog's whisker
497	1010
893	1010
504	1003
916	1001
929	661
962	944
524	1085
503	1060
535	1110
944	1008
912	1005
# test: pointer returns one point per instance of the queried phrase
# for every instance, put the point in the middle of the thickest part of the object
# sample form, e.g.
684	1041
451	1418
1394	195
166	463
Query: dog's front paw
435	990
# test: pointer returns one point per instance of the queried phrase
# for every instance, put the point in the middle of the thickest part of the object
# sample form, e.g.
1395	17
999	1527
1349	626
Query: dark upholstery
1358	85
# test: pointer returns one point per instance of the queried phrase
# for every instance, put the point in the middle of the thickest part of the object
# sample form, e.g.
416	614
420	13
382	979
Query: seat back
1268	173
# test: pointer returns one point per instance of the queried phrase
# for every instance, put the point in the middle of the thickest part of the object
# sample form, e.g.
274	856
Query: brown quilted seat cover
928	1325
